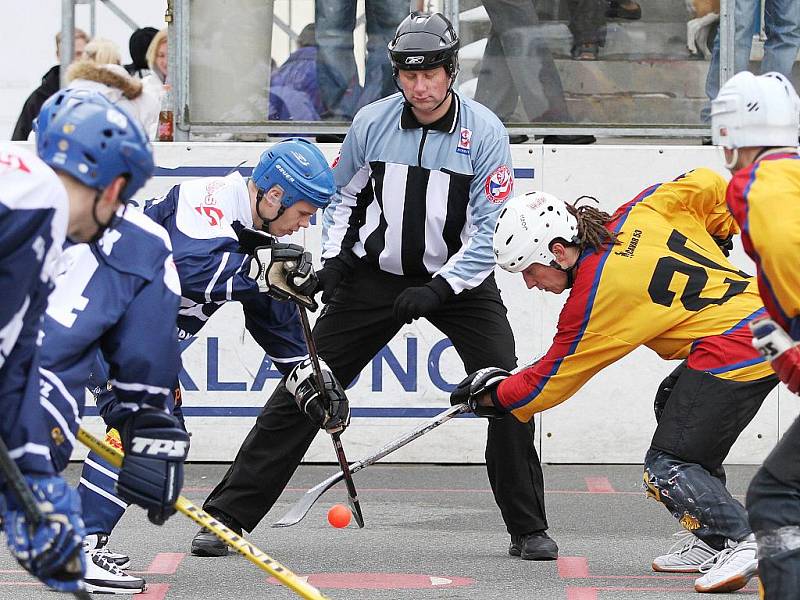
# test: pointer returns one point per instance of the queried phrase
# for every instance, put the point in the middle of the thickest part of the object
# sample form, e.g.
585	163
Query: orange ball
339	516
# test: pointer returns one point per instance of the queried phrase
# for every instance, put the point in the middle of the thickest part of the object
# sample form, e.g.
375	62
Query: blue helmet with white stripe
95	142
299	168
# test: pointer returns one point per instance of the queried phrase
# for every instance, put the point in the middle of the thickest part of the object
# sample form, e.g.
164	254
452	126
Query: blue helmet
301	171
57	102
95	142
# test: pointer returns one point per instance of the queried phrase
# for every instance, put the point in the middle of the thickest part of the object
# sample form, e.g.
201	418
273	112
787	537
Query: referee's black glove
415	302
330	276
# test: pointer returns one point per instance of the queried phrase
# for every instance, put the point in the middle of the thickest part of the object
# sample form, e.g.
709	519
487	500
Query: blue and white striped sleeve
491	186
344	215
211	272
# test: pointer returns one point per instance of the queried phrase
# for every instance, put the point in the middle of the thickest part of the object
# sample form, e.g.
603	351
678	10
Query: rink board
227	380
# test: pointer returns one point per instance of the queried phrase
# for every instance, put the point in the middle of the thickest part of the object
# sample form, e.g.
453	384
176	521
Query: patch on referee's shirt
464	141
499	184
336	160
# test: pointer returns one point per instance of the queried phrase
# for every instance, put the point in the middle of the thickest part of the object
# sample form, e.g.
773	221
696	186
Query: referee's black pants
352	328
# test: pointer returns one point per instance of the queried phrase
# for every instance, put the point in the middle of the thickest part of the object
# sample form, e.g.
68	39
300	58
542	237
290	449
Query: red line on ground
599	485
165	563
155	591
16	583
11	571
581	593
573	567
190	490
748	590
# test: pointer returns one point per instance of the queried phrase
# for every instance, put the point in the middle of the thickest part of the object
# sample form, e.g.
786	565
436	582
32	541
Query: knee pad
698	500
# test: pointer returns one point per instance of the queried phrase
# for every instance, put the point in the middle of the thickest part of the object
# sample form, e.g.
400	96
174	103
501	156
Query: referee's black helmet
424	41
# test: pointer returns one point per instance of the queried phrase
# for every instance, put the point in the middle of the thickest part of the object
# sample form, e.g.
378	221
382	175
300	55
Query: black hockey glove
415	302
152	471
329	409
471	388
725	244
330	276
665	390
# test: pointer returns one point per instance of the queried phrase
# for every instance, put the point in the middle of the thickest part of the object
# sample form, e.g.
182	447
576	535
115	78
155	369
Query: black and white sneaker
105	577
98	541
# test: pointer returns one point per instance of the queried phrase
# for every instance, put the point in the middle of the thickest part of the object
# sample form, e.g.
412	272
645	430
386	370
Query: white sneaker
729	570
104	576
98	541
685	556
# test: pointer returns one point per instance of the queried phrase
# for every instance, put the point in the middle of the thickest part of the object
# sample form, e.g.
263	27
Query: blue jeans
336	65
782	27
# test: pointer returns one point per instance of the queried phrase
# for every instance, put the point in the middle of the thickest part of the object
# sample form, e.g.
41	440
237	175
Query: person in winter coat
49	86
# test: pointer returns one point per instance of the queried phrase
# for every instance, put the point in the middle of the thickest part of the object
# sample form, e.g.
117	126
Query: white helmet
527	226
755	111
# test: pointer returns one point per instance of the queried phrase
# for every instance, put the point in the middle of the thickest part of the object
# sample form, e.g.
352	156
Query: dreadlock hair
591	225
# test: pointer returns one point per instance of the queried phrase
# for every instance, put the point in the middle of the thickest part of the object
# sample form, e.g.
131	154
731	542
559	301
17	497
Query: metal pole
727	35
66	49
92	17
268	42
178	49
118	11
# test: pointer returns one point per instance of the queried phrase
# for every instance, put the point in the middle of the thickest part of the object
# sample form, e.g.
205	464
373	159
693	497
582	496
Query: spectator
50	84
138	44
627	9
157	61
294	90
782	26
102	51
517	64
587	24
336	65
100	71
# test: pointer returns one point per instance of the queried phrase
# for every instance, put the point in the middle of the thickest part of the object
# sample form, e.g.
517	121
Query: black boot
533	546
206	543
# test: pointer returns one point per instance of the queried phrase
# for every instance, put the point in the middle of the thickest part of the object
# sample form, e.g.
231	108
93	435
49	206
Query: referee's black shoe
533	546
206	543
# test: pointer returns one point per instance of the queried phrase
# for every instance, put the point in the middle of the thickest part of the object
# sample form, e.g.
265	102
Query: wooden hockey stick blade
300	509
247	549
16	480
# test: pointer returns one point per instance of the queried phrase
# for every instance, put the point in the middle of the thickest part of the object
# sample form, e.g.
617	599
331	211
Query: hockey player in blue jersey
118	296
203	217
39	207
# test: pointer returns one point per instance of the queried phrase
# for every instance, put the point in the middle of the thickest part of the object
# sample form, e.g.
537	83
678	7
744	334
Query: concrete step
673	78
639	109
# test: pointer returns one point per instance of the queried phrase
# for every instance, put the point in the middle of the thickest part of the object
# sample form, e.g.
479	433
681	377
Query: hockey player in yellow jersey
651	274
756	120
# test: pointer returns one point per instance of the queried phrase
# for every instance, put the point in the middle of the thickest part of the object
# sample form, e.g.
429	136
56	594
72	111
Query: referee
421	178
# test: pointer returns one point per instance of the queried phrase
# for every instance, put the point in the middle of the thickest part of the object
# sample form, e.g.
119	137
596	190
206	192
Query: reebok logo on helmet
415	60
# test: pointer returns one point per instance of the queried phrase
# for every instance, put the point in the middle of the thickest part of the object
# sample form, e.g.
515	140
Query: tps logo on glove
158	447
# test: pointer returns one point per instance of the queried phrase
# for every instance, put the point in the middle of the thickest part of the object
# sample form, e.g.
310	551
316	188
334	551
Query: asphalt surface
432	532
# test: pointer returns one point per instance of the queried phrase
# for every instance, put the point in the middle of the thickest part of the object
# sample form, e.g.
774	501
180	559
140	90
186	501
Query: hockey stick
300	508
235	541
16	481
337	442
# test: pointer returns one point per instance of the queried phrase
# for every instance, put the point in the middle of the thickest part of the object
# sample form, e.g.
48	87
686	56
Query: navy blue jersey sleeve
211	271
276	327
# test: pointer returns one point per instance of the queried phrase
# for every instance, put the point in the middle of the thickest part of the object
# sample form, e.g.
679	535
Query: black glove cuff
496	400
440	286
337	264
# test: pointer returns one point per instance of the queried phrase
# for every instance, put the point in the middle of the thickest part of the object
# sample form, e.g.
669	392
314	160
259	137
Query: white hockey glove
779	349
329	408
284	271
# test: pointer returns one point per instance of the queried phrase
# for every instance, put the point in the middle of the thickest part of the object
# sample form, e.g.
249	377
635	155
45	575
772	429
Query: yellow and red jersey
666	286
765	200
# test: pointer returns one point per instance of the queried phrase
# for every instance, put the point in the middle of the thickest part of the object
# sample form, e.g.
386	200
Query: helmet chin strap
265	225
447	95
101	227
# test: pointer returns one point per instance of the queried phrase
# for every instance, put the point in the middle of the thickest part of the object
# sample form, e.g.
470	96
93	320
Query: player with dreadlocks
652	274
